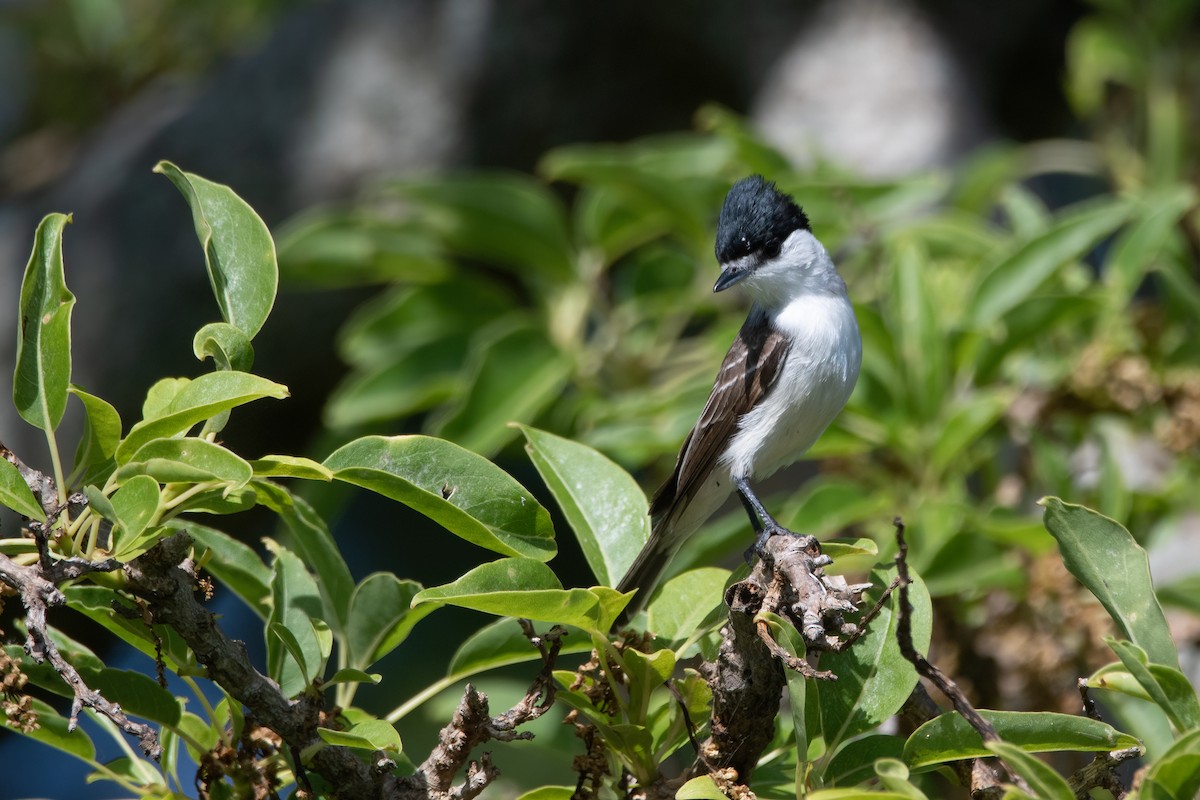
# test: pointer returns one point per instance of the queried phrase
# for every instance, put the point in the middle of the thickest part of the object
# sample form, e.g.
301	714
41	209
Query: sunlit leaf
950	738
43	360
1106	559
238	249
192	402
463	492
601	501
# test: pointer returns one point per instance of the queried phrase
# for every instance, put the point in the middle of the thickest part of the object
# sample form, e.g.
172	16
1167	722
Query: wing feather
748	372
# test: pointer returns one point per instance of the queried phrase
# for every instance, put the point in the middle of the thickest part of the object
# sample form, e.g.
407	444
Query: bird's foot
759	548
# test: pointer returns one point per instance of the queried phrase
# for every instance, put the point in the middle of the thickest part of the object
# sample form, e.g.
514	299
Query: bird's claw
759	548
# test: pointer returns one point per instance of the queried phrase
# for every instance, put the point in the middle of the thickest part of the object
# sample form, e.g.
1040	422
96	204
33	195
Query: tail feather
647	569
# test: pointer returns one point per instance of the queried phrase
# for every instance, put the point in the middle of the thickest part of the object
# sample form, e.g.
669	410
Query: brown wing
747	374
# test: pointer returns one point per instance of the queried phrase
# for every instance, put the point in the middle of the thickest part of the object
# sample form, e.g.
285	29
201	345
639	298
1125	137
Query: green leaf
874	679
701	788
323	248
416	381
685	602
381	617
290	467
191	402
964	425
549	793
855	761
893	775
234	564
311	538
505	219
1104	557
920	341
1166	686
16	494
518	587
227	345
1140	246
1019	274
514	373
101	435
238	249
1042	779
601	501
1176	774
461	491
350	675
376	734
135	504
188	460
43	360
950	738
296	601
499	644
52	730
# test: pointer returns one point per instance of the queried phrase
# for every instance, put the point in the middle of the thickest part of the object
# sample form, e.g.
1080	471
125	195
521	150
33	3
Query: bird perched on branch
789	372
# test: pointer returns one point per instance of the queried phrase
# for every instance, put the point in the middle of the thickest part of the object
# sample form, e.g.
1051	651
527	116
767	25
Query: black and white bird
789	372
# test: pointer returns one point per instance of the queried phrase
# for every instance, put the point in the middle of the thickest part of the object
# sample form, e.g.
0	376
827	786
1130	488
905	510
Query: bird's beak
735	271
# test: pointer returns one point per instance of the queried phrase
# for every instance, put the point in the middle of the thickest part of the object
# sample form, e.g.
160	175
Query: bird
787	375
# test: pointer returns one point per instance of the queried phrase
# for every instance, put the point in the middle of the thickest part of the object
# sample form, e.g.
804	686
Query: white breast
813	385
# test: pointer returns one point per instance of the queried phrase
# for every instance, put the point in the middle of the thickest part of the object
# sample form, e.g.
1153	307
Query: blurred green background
504	211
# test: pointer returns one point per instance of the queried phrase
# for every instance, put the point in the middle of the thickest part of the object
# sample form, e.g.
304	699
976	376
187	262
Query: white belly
812	387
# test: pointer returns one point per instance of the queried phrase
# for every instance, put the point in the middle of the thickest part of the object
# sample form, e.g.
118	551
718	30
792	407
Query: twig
472	726
38	595
924	668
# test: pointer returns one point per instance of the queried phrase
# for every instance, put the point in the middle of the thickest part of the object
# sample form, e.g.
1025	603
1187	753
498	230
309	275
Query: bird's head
764	238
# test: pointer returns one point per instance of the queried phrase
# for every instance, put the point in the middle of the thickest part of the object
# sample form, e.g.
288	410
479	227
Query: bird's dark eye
772	248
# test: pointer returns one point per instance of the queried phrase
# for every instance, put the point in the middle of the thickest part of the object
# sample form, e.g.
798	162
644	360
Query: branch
472	726
984	779
38	595
162	576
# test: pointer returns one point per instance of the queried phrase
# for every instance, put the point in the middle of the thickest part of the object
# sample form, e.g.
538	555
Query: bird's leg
763	523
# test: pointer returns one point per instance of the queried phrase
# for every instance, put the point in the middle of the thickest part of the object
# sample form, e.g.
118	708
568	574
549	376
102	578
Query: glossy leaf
514	373
701	788
1165	686
461	491
518	587
350	675
295	601
685	602
1104	557
189	460
135	505
313	541
15	492
227	345
101	435
381	617
43	359
191	402
1176	774
238	249
1016	277
1042	779
874	679
290	467
854	762
601	501
52	730
369	735
949	737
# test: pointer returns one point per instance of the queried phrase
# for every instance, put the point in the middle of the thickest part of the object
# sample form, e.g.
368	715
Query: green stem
430	691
